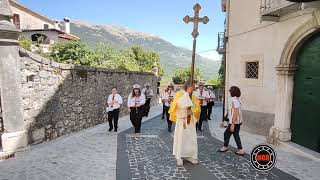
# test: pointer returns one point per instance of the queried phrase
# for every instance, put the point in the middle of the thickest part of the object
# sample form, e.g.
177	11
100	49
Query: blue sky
160	17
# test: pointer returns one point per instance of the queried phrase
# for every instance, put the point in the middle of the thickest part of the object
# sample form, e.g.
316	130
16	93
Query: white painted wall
250	39
30	21
51	35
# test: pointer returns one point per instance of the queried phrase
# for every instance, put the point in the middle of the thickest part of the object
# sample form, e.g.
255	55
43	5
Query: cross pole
196	19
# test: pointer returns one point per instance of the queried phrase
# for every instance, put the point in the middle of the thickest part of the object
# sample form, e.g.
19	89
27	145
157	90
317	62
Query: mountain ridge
171	56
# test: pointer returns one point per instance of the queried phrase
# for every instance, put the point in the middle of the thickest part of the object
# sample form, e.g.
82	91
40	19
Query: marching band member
148	92
114	102
167	98
203	96
136	100
163	106
212	96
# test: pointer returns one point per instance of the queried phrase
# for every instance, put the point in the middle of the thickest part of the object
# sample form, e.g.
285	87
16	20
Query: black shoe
169	129
115	130
209	118
219	150
200	129
110	129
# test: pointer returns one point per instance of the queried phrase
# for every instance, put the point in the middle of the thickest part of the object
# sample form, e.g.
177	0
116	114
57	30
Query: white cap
136	86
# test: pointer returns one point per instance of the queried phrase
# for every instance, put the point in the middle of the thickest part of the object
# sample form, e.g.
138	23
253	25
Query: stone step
4	155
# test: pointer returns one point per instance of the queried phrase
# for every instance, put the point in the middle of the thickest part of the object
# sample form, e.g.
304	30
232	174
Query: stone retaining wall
60	99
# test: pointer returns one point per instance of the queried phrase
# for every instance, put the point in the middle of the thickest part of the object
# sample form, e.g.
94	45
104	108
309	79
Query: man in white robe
185	136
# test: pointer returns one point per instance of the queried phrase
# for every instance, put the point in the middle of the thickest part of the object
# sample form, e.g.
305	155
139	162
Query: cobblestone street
149	156
95	154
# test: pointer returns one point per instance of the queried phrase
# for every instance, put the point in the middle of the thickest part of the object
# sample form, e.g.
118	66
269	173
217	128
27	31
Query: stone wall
60	99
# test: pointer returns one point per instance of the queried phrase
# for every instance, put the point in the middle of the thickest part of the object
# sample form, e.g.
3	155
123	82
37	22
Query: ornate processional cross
196	19
194	34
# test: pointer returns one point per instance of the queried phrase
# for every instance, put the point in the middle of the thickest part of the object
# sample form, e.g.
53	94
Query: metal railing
269	6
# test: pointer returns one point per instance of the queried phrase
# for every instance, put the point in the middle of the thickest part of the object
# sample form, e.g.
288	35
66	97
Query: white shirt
139	101
236	104
118	100
166	96
148	92
202	96
212	95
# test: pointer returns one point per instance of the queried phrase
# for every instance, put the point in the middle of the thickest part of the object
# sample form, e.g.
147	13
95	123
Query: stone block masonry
60	99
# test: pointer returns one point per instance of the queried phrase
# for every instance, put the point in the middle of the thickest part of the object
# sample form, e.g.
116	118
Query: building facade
272	52
40	28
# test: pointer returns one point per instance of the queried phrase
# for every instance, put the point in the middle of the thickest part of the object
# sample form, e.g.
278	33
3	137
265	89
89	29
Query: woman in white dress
185	111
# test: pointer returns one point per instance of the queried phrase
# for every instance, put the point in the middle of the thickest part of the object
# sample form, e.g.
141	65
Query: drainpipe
225	59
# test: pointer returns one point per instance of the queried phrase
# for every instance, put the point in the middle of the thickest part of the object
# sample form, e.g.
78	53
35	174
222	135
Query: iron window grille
252	70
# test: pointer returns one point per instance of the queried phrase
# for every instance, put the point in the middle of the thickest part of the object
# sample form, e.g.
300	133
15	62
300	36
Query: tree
132	59
25	43
181	75
72	52
216	82
105	56
221	73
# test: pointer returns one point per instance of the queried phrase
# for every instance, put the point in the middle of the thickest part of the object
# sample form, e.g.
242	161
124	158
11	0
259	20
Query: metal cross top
195	33
196	20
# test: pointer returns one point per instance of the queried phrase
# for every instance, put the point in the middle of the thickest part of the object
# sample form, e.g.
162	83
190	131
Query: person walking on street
211	100
235	118
136	100
113	104
148	93
185	112
167	99
163	106
203	96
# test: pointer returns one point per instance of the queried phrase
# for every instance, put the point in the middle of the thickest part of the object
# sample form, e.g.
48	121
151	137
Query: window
16	20
252	70
46	26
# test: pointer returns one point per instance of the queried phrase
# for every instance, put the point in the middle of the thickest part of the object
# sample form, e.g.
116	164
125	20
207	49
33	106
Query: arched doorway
305	124
40	38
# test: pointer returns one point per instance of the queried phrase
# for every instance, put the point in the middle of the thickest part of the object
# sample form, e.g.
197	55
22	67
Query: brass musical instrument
136	103
112	101
170	98
201	100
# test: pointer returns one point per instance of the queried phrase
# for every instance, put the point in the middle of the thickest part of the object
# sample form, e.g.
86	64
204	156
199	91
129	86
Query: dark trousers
163	110
210	105
136	118
166	110
203	117
228	133
113	115
147	107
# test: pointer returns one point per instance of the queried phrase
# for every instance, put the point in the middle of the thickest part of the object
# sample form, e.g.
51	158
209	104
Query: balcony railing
273	9
221	43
